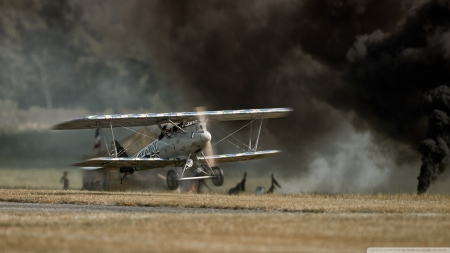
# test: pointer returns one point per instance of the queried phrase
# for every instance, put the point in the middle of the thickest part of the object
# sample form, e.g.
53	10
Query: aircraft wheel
172	180
218	176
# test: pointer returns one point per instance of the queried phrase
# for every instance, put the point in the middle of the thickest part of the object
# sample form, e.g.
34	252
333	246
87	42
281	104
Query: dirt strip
71	208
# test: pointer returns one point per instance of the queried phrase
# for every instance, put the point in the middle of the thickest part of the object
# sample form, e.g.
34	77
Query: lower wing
112	163
228	158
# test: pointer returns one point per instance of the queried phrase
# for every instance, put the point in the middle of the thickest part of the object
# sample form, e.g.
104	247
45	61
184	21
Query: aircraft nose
205	136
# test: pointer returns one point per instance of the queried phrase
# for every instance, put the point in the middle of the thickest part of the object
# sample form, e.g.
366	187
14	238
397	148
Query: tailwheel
218	176
172	180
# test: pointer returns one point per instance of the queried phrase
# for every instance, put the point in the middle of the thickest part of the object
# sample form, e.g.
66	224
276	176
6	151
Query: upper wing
112	163
132	120
239	156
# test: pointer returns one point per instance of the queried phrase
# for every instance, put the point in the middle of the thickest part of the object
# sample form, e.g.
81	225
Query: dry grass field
309	203
156	232
305	223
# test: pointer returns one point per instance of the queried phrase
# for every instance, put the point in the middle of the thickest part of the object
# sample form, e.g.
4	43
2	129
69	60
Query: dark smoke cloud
435	148
371	58
390	74
395	70
237	47
233	54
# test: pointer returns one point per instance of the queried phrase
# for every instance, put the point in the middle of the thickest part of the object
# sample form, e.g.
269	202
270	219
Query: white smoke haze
352	162
17	120
355	168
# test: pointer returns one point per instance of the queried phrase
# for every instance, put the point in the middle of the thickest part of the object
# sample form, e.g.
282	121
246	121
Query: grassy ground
319	223
316	203
289	232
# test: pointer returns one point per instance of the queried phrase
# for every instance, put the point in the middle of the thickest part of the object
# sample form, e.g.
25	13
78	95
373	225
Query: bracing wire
232	133
143	135
236	146
233	136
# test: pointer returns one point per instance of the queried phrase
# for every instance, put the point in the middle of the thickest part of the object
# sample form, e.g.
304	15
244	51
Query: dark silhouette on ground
65	180
240	187
273	185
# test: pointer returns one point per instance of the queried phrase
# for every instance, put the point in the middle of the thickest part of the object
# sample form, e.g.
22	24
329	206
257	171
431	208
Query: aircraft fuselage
176	144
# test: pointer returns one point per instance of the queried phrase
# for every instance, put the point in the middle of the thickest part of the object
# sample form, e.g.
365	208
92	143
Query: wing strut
187	165
250	141
209	166
259	132
114	141
106	143
176	126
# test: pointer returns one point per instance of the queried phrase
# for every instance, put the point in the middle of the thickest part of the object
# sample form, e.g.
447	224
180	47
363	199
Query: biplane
182	143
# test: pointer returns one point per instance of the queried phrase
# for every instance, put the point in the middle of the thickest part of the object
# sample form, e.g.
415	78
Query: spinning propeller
208	149
217	172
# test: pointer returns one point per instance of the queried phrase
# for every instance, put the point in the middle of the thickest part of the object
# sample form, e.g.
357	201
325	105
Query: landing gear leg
126	174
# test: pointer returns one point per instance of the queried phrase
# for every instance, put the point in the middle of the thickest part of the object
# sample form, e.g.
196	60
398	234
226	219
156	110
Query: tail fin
120	150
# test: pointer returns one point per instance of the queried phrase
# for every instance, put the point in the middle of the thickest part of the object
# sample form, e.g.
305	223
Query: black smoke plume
435	148
390	75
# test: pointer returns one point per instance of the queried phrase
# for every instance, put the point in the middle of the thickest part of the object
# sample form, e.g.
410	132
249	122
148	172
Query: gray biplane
183	142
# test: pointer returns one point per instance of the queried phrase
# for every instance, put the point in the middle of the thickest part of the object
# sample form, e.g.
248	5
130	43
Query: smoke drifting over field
334	62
